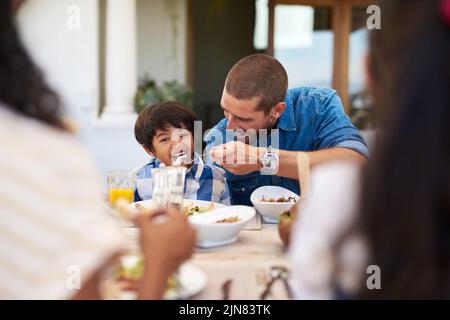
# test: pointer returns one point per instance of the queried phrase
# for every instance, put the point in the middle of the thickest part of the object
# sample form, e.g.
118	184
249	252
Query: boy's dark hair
258	75
161	116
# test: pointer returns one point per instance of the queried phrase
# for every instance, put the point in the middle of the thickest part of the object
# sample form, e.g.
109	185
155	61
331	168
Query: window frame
341	27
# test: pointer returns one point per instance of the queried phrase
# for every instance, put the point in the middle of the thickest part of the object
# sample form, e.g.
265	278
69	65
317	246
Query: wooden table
246	263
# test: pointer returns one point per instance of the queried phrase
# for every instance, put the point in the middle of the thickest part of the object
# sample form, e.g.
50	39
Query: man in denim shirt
310	122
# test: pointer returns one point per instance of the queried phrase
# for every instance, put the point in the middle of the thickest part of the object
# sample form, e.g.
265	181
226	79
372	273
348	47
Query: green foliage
149	93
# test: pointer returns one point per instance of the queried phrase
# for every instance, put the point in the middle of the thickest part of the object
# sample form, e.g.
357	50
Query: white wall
69	59
162	39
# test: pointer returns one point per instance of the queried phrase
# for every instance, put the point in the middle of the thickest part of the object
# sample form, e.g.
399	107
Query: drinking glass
168	186
120	186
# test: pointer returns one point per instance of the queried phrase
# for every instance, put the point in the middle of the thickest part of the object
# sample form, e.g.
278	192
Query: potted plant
149	93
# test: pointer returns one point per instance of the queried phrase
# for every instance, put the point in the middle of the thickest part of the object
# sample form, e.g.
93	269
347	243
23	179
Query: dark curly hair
22	85
161	116
404	211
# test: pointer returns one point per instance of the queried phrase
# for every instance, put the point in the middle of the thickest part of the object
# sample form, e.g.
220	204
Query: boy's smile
172	143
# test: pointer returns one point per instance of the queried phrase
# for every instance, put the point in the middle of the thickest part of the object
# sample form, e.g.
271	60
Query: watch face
270	160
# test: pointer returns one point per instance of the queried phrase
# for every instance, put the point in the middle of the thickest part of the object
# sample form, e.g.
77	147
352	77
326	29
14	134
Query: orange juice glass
120	186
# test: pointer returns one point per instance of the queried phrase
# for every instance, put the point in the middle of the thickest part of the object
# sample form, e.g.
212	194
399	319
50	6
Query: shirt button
243	189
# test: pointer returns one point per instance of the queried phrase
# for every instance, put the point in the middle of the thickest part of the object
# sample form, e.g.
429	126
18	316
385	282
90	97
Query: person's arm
90	289
154	281
245	158
288	159
161	257
323	219
335	138
152	285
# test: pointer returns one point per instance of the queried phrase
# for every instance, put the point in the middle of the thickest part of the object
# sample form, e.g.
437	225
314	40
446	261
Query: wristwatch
269	162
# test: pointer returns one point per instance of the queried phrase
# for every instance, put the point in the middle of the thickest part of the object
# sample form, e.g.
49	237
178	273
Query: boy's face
169	144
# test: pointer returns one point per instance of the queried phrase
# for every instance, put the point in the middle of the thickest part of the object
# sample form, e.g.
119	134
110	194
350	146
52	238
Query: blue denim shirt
314	119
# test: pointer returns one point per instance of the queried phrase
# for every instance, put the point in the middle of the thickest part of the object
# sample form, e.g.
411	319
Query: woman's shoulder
327	213
30	133
346	173
30	145
335	189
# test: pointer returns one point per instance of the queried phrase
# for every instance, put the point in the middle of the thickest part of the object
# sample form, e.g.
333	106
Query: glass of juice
120	186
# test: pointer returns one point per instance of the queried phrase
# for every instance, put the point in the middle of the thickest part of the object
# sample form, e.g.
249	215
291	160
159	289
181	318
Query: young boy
165	131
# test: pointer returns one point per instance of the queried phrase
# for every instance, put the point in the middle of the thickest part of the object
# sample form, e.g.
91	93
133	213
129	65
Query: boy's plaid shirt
203	182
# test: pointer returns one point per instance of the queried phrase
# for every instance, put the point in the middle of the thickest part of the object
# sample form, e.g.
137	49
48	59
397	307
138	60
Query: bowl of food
220	226
272	201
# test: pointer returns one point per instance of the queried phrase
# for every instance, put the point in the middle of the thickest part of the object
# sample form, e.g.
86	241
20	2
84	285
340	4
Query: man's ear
278	110
149	152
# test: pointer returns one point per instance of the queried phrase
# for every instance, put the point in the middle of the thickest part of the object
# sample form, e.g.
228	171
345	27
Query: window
360	103
303	43
321	43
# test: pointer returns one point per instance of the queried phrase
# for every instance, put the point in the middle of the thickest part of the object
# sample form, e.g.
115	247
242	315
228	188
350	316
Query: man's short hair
161	116
258	75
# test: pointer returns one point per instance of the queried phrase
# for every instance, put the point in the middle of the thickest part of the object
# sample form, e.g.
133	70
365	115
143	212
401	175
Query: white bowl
212	234
271	211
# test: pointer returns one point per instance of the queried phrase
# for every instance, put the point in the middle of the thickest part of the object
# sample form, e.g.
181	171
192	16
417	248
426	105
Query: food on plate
190	209
280	199
127	274
130	271
229	220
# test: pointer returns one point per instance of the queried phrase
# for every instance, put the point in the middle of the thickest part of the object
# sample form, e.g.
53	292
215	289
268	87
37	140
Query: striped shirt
203	182
54	229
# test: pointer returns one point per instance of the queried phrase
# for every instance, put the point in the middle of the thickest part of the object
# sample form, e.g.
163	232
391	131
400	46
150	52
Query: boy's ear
148	151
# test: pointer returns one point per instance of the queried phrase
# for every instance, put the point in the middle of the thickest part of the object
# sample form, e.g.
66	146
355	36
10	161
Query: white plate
149	204
201	203
271	211
191	281
212	234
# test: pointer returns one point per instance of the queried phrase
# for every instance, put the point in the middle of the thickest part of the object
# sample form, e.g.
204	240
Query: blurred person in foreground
384	232
51	215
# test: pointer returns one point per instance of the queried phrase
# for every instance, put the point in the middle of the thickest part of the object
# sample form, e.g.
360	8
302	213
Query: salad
190	209
126	276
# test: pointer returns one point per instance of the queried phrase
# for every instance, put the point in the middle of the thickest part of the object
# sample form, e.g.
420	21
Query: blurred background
110	58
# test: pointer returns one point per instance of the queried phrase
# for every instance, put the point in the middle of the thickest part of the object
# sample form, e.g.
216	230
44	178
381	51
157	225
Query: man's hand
237	157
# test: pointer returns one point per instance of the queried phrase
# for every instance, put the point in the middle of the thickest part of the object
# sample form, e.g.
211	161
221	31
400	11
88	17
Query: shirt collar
196	169
287	119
